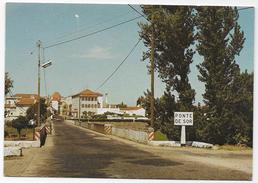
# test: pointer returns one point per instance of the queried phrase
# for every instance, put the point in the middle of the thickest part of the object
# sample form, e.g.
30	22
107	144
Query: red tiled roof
25	102
88	93
26	95
56	96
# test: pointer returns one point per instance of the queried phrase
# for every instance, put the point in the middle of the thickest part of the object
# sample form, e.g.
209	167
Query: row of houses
77	105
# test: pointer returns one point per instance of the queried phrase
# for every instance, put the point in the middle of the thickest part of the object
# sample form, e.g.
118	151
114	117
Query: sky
87	62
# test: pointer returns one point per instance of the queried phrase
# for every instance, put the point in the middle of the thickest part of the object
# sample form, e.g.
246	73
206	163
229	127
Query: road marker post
183	119
37	136
150	134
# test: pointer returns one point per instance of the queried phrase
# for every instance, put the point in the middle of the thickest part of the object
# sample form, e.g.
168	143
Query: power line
86	27
92	33
138	12
244	8
104	82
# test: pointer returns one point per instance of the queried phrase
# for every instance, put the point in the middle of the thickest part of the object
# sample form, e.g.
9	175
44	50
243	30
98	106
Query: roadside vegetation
11	133
20	128
180	32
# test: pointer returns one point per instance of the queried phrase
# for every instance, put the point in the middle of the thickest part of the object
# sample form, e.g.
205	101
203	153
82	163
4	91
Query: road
77	152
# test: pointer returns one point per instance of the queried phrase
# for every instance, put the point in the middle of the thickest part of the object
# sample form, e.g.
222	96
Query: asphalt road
76	152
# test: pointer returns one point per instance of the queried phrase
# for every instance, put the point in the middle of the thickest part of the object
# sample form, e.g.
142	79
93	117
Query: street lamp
47	64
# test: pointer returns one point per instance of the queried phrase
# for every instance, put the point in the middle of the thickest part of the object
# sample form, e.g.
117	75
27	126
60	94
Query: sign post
183	119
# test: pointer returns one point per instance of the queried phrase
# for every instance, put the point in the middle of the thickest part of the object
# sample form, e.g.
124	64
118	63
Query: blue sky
86	63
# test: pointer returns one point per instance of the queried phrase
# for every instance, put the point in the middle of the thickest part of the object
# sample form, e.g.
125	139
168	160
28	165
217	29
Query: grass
158	135
233	147
26	134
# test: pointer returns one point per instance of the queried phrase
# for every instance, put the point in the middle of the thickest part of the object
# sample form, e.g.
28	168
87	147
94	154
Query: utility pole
152	70
38	111
79	108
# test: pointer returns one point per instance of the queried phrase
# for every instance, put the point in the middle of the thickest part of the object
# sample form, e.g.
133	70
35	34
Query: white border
175	2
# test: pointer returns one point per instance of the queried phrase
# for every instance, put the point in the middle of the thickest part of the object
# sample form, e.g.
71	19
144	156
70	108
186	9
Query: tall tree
8	83
174	35
242	108
219	41
165	107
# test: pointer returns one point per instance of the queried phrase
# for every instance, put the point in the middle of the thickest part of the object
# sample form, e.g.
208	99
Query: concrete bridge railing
108	129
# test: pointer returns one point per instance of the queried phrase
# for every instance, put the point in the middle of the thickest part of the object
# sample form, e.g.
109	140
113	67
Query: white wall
100	100
113	110
140	112
54	104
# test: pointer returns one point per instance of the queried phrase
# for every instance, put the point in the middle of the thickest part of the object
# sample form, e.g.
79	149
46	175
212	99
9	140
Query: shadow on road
77	153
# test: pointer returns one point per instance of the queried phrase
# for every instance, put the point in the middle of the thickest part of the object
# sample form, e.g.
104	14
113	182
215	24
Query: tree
165	108
31	112
8	83
174	35
122	105
219	41
144	101
20	123
242	108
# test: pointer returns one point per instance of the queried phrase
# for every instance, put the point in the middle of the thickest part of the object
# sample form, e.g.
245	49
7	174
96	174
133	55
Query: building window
82	105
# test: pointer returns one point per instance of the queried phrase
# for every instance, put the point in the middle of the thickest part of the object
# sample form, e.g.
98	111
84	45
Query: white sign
183	118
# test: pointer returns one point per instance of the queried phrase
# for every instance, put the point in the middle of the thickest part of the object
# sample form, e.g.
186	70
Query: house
109	108
55	102
18	104
66	106
86	101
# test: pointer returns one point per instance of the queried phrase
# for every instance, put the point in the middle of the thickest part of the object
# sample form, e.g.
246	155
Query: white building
133	110
55	102
66	106
86	101
18	104
89	101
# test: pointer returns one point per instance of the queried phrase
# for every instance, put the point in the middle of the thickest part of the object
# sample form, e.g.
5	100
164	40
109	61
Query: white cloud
97	52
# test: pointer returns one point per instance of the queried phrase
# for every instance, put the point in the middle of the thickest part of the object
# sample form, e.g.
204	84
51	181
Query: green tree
242	108
31	112
8	83
122	105
165	108
144	101
20	123
219	41
173	29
